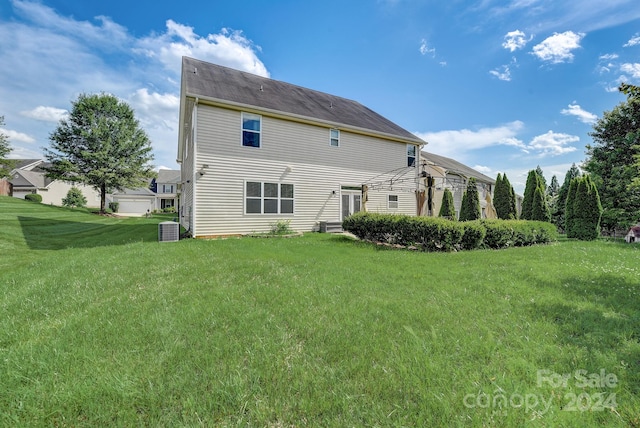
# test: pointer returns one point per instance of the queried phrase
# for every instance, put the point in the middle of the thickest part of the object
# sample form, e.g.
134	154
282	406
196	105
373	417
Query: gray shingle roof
215	82
168	176
452	165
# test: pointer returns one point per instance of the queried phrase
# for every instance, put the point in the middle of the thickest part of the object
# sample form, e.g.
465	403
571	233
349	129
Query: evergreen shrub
33	197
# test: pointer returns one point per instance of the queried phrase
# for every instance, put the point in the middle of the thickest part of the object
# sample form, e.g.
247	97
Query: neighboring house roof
635	231
232	87
138	191
453	166
168	176
28	179
27	164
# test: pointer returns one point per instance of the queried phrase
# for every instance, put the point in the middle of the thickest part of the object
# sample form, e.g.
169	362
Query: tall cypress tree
586	210
533	181
558	214
513	209
501	198
569	217
470	209
447	209
540	211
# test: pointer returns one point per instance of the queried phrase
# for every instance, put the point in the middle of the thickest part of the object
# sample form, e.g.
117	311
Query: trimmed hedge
438	234
33	197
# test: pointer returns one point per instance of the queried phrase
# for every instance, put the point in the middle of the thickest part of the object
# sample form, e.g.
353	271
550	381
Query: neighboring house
133	202
28	177
166	189
633	236
444	172
255	151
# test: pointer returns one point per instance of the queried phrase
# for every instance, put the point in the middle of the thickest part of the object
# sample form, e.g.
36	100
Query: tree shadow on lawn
50	234
604	319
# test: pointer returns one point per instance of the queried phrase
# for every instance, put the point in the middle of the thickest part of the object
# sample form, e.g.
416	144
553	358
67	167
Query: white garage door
130	206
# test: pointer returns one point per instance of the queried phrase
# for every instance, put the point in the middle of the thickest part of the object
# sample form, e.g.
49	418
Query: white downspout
194	211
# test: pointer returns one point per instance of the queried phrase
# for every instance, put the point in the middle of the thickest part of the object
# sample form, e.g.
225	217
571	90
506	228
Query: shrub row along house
255	151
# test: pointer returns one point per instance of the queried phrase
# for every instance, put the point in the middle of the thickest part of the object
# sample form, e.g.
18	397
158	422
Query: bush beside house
437	234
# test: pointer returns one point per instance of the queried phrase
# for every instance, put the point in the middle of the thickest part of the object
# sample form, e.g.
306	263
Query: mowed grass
101	325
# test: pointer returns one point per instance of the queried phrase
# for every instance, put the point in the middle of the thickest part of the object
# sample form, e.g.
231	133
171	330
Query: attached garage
134	202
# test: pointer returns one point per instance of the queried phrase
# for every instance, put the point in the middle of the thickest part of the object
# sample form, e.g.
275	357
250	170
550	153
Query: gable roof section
168	176
453	166
27	179
233	87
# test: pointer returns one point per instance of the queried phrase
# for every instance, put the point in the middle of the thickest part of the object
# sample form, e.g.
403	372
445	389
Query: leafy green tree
74	198
101	145
612	160
6	165
586	210
569	215
470	209
504	198
540	211
447	209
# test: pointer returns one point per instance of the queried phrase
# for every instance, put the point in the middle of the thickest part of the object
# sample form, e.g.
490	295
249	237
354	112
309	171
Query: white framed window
251	129
411	155
392	201
167	188
334	137
268	198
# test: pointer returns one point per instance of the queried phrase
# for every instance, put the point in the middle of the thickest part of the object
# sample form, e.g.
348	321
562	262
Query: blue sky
502	86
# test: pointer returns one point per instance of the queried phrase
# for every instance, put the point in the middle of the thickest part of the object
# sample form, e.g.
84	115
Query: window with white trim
167	188
392	201
411	155
268	198
334	136
251	129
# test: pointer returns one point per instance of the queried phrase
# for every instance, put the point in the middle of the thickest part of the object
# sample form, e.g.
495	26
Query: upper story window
335	138
167	188
411	155
251	128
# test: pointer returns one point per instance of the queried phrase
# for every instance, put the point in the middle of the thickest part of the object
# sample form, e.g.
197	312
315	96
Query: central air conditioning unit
168	231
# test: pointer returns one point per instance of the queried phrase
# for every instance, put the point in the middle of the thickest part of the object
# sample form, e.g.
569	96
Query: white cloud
15	136
483	169
229	47
515	40
557	48
608	57
455	142
553	143
425	49
452	142
632	69
46	114
502	73
635	40
582	115
56	58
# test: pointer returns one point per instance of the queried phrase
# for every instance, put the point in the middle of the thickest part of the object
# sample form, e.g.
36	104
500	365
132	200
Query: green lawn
101	325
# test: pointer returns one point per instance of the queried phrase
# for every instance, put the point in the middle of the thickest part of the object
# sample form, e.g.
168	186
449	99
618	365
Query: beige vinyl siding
294	153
